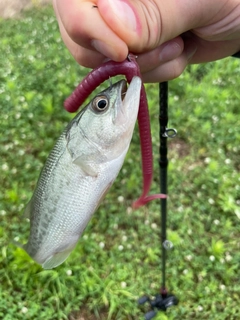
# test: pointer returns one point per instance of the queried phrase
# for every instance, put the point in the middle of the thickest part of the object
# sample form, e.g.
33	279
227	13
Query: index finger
84	26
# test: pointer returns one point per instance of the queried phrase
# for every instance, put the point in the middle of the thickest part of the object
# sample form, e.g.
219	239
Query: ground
13	8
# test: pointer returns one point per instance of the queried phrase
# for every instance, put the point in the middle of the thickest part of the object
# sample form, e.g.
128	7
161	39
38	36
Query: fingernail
126	13
191	50
170	51
102	47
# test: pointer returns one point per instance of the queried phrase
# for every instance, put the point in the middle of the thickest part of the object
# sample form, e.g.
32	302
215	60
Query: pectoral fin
86	167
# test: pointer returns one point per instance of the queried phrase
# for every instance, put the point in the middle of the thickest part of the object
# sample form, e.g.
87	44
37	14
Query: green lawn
119	258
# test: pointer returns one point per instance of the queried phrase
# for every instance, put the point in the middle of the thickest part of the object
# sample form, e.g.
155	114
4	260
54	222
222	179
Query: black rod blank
163	164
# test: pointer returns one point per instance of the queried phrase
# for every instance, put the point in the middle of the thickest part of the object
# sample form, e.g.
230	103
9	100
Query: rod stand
159	302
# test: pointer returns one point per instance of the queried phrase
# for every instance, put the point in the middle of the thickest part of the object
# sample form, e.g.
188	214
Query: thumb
145	24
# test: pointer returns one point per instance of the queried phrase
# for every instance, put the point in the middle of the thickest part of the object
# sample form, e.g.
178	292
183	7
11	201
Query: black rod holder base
160	302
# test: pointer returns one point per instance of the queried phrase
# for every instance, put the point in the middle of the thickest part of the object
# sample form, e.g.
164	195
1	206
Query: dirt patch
84	314
180	146
14	8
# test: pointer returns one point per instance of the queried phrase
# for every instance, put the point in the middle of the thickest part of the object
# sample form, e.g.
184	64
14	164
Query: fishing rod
162	300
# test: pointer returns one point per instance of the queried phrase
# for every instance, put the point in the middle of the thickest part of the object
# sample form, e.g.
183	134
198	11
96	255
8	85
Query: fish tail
56	259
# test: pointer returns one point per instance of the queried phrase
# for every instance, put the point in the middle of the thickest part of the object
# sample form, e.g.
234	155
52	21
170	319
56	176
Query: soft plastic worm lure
129	68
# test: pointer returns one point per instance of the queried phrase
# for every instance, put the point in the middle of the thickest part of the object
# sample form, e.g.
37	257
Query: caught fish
130	68
79	171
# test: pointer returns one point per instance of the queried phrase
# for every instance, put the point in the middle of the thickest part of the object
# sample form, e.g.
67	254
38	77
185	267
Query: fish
129	68
79	171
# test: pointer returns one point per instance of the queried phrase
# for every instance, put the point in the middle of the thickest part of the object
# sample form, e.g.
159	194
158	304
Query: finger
164	53
212	50
144	25
167	71
171	69
82	24
85	57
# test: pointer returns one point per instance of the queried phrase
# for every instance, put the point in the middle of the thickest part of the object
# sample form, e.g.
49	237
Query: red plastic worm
128	68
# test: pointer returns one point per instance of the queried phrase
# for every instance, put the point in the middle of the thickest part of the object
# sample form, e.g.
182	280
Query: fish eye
100	103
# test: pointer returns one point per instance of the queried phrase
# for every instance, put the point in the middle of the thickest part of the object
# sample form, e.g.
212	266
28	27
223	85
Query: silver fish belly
79	171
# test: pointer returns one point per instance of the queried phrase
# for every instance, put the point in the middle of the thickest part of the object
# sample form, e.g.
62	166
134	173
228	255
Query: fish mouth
132	92
127	101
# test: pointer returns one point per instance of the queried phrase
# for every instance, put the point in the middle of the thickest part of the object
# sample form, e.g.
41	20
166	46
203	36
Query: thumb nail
126	13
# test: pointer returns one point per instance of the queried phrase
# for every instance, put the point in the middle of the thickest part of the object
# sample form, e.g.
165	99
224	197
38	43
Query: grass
118	258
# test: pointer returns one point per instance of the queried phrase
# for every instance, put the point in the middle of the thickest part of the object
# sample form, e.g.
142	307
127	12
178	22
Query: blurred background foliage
119	258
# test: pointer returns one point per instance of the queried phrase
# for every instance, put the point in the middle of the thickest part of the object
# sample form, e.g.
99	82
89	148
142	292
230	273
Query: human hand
165	36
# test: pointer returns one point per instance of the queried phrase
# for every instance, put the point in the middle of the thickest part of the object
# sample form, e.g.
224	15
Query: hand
166	36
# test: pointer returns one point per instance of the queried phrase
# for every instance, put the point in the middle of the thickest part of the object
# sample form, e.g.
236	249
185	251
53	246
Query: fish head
108	121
